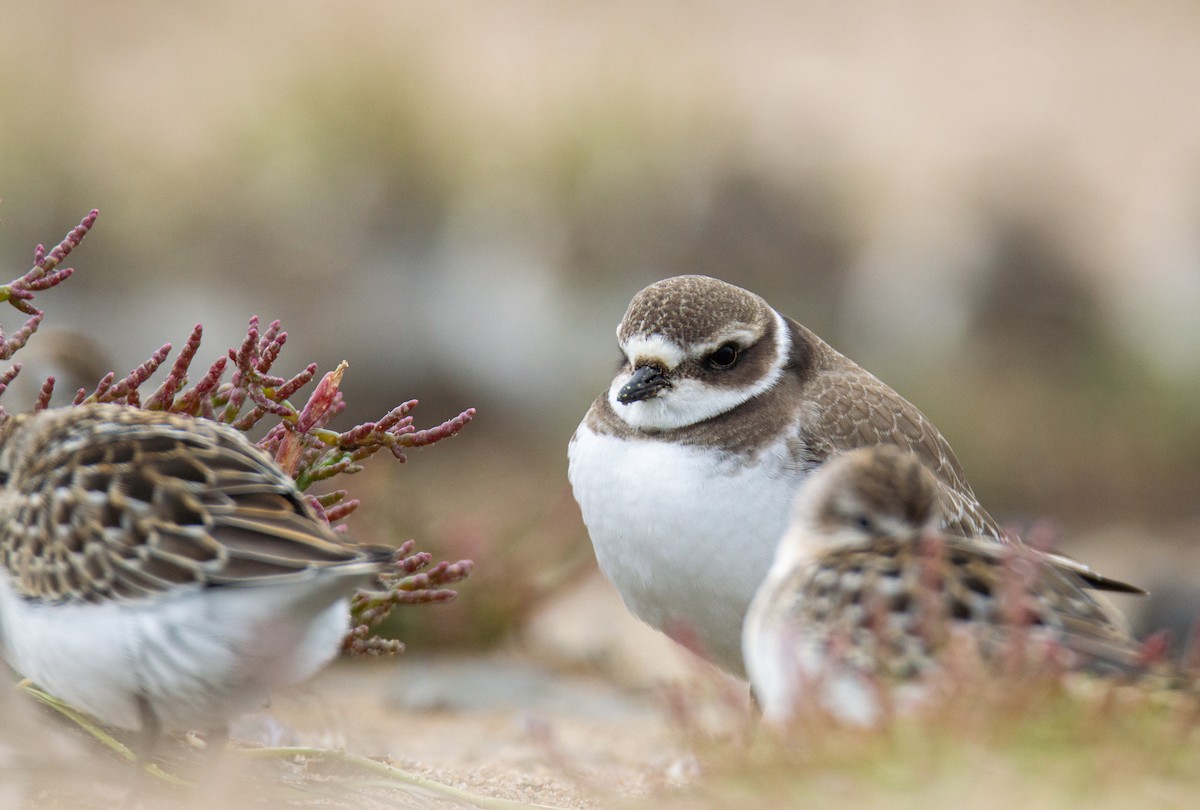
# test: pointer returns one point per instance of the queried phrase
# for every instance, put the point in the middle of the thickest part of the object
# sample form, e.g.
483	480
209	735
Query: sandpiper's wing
110	502
1055	596
879	590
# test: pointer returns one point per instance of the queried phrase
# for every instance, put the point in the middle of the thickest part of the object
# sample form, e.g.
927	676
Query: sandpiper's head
695	347
871	492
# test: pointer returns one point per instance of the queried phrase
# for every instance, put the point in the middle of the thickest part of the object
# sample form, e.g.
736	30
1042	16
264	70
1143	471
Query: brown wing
119	503
1053	597
893	599
852	409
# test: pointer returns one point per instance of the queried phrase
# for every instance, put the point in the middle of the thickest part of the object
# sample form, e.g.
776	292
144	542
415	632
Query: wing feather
874	414
872	593
122	504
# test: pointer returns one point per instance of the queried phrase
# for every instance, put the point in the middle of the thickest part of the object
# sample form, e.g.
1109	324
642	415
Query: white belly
685	538
198	658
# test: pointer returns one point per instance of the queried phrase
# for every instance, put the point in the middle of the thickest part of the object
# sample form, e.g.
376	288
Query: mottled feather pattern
896	602
114	503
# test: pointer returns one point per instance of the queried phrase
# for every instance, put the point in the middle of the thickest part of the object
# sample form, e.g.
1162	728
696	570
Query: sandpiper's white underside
684	533
197	657
790	672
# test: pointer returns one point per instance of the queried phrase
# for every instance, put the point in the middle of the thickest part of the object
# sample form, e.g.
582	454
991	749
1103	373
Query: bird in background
866	591
685	468
161	573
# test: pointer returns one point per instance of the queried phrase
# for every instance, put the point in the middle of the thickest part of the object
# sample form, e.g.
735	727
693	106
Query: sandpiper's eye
864	522
724	357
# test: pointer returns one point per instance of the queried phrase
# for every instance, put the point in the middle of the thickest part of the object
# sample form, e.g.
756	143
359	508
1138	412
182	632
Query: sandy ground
498	726
505	727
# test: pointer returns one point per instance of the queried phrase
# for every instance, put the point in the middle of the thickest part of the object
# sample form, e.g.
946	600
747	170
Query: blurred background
994	206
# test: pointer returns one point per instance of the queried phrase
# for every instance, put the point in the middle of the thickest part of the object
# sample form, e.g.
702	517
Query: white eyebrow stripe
742	337
654	347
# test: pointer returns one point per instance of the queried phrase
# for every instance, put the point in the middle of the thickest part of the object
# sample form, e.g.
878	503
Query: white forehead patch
641	348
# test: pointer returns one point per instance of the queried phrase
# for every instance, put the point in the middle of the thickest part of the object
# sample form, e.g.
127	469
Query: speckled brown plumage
114	503
893	603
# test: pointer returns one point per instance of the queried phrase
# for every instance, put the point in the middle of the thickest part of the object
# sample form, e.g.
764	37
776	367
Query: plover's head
695	347
871	492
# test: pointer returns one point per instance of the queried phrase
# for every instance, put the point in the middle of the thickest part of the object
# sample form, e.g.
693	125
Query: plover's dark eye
725	356
864	522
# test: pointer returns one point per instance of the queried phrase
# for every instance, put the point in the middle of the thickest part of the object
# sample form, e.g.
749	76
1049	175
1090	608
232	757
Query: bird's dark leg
754	718
151	730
